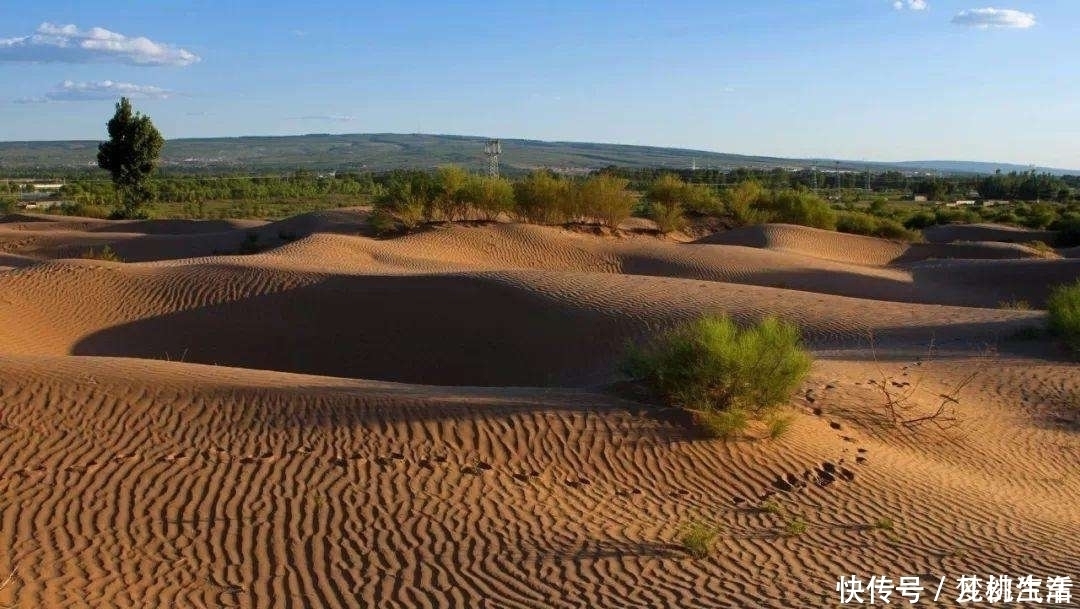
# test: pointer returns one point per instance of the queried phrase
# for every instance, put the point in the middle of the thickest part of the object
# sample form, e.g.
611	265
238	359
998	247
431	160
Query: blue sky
855	79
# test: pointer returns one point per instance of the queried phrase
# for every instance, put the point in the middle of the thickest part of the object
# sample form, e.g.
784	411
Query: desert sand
437	419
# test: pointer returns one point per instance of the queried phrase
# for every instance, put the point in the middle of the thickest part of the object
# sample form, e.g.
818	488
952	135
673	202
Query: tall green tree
130	155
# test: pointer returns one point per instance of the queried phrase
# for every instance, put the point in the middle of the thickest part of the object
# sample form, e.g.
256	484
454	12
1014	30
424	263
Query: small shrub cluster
105	253
1063	307
699	537
722	373
796	207
859	223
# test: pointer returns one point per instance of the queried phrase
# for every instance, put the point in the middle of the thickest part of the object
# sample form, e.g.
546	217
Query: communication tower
492	150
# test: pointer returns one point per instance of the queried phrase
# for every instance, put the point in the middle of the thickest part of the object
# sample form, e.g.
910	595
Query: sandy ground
435	420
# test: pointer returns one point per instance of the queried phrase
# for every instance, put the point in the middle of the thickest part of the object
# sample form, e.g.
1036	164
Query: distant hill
382	151
978	167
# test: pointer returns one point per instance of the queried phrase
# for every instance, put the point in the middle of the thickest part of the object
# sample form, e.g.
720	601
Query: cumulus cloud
984	18
915	5
68	44
91	91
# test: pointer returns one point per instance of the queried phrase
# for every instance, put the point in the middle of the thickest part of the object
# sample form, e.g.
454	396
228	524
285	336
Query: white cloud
915	5
91	91
994	18
68	44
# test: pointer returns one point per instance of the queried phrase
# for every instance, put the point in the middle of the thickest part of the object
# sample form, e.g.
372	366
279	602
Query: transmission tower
492	150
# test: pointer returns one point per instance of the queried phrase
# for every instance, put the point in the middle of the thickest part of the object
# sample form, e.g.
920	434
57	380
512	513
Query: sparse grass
105	253
1064	309
795	527
1045	250
723	424
771	506
778	424
884	524
722	373
888	526
1015	305
698	537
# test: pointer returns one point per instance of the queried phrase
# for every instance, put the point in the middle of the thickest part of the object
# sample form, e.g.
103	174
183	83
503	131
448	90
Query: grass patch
795	527
105	253
699	537
778	424
1064	309
722	373
723	424
771	506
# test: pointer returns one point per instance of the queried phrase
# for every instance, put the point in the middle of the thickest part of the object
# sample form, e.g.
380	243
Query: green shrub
542	198
699	537
605	198
722	372
859	223
740	202
668	216
488	195
798	207
7	205
670	191
1064	309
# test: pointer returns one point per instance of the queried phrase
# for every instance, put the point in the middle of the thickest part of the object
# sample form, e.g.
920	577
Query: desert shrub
606	198
859	223
739	202
920	220
542	198
668	216
721	372
490	196
7	205
402	206
105	253
796	207
1064	310
449	201
699	537
1037	216
669	191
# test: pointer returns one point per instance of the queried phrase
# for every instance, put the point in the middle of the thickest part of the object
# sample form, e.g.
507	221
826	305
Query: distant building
961	203
919	198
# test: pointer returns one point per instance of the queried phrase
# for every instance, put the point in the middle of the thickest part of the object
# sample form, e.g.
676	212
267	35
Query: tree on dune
130	155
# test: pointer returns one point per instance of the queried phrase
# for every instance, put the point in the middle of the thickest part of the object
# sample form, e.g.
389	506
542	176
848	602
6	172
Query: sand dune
430	420
949	233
